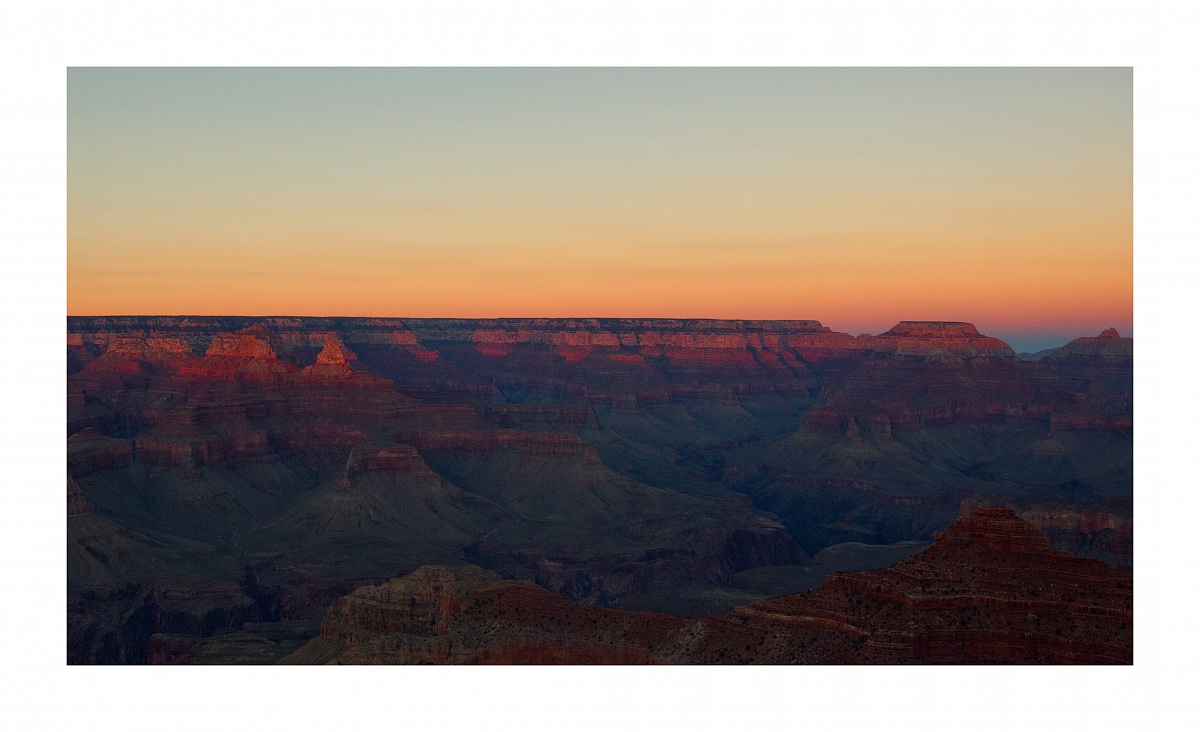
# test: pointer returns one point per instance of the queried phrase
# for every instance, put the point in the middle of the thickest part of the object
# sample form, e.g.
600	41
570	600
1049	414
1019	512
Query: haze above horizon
1001	197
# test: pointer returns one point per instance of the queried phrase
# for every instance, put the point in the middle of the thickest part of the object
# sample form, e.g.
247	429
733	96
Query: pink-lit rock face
241	346
933	329
242	356
135	354
753	344
334	352
947	339
334	367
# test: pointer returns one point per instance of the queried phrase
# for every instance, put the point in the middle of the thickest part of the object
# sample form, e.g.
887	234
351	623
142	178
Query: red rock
238	356
242	346
334	352
333	366
132	355
948	341
988	591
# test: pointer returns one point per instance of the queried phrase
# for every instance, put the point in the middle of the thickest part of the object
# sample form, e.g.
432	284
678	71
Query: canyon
989	590
229	478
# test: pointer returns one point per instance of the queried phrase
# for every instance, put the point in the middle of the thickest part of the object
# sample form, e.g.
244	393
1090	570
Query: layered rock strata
990	590
636	463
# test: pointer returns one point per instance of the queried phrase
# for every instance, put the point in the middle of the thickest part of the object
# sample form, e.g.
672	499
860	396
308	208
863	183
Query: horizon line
1029	334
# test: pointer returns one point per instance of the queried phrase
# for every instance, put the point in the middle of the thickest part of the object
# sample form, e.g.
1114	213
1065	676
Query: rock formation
681	465
951	342
133	355
1109	345
333	366
990	590
242	355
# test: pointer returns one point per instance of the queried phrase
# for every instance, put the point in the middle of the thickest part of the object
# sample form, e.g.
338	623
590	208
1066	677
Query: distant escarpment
989	590
1102	369
1108	345
947	341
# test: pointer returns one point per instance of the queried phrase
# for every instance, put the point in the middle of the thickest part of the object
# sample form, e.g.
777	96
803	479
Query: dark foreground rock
989	590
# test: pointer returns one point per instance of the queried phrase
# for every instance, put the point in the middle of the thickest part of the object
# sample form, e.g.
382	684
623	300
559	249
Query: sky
857	197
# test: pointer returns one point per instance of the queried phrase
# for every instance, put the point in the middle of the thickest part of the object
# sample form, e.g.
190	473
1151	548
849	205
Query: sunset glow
858	197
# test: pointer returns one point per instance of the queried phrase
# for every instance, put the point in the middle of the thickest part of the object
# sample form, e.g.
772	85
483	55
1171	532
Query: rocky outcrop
1100	369
133	355
995	528
244	344
926	375
989	590
1101	530
333	367
1108	345
371	456
951	342
442	615
244	355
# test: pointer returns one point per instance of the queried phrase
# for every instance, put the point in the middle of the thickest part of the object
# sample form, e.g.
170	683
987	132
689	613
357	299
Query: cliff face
990	590
1102	369
1108	345
616	462
439	615
334	366
245	355
950	342
1099	530
609	361
133	355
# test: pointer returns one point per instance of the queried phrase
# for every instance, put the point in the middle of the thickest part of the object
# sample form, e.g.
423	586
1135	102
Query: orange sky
857	197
